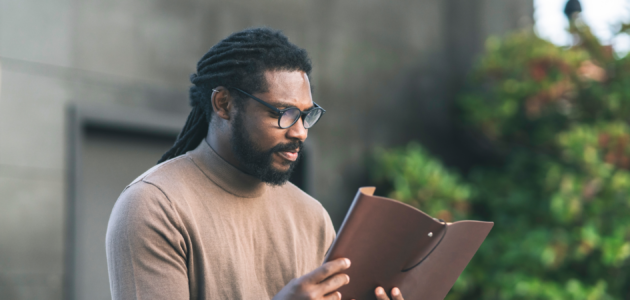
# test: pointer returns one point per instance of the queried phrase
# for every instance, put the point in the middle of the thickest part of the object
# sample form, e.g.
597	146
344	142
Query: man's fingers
334	282
333	296
380	294
330	268
396	295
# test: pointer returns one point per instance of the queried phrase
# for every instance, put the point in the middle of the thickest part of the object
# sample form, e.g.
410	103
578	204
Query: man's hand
381	295
321	283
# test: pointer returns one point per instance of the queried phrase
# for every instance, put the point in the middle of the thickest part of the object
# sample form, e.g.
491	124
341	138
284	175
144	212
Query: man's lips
289	155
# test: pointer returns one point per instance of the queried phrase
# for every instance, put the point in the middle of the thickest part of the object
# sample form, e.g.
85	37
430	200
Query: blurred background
514	111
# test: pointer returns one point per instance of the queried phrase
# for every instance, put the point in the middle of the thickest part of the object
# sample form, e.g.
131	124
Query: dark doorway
108	150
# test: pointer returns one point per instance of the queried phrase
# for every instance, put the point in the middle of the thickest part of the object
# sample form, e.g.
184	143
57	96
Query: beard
256	161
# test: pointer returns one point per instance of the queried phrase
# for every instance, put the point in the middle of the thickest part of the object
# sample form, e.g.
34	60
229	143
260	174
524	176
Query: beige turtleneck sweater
195	227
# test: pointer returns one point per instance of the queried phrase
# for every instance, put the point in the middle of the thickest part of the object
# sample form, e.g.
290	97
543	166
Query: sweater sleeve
330	234
146	246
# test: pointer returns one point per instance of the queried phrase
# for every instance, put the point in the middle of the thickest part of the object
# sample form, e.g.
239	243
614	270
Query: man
216	218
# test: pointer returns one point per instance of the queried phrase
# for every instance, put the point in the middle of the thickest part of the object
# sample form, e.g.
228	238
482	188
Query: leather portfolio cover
392	244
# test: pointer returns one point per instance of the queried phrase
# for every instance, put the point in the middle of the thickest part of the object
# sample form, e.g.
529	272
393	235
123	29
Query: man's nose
297	131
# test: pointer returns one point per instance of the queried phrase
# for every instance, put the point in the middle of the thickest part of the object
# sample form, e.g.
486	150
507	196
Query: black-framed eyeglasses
288	116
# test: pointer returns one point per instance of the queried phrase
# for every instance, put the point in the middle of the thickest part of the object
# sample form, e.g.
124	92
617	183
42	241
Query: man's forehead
282	80
288	88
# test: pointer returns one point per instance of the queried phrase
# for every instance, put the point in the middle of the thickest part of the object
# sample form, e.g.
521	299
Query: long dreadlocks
239	60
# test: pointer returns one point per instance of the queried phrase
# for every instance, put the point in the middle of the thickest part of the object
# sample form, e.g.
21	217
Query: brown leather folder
392	244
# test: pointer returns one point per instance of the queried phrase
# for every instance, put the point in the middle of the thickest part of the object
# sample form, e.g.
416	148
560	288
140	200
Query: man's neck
220	142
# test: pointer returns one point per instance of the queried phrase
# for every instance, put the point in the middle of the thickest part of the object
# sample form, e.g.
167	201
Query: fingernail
339	295
379	290
395	292
347	262
347	279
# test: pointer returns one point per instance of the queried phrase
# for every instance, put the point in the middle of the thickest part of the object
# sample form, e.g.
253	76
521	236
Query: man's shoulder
174	170
154	188
140	209
164	182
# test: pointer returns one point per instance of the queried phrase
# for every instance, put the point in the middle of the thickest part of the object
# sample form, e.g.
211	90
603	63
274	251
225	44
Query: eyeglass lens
312	117
291	116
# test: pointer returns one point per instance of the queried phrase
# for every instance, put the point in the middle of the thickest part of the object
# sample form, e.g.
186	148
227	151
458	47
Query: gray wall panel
369	57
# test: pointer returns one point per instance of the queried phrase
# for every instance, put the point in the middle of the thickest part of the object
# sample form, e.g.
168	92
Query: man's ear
222	102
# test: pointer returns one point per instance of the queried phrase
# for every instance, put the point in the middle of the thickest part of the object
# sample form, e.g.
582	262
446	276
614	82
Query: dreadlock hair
239	60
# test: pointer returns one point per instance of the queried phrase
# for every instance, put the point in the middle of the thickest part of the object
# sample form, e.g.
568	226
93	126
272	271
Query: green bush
560	199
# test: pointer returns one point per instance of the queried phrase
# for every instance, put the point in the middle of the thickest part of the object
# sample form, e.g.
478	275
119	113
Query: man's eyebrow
282	104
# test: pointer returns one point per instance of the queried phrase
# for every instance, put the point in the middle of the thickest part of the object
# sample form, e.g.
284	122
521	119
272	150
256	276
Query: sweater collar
225	175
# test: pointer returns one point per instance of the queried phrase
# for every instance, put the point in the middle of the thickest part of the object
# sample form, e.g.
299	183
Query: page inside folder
392	244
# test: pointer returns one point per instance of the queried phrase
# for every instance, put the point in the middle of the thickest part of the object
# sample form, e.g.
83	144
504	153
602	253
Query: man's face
264	149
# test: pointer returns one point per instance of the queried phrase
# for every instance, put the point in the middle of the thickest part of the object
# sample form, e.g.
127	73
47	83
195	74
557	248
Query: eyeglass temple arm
259	100
317	105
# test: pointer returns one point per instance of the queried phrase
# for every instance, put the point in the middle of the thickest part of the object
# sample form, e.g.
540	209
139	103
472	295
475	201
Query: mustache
296	145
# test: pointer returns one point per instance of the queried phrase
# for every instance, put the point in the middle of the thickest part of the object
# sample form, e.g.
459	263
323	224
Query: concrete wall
384	70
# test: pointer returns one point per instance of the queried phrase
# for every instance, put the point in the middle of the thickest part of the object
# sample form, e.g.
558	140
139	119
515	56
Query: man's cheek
264	140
